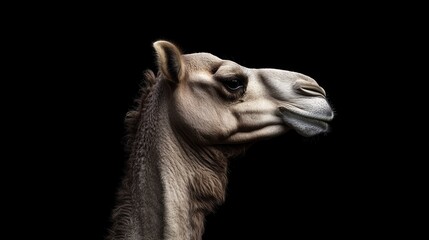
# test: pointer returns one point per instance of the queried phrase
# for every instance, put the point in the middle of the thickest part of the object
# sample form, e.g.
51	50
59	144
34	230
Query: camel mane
132	117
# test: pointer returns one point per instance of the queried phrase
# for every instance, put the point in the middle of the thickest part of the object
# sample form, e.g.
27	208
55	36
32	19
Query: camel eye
233	84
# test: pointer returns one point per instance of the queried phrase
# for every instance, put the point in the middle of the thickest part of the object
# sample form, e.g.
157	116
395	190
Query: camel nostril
308	88
311	90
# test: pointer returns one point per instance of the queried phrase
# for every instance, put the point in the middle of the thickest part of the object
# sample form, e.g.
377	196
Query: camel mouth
306	123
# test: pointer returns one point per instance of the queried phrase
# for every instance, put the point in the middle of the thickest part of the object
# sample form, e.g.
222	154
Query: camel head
219	102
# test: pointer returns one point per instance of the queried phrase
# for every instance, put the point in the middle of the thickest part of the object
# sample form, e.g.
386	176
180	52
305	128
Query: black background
85	71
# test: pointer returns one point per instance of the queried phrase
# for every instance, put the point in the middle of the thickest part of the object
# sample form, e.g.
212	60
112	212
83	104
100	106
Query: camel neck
193	179
193	185
170	186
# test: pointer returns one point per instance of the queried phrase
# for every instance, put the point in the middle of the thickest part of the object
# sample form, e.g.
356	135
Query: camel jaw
304	123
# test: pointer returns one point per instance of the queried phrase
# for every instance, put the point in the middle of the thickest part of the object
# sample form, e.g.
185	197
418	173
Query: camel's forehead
200	61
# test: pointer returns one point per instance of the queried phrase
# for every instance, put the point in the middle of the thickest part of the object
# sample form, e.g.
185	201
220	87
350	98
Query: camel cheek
198	123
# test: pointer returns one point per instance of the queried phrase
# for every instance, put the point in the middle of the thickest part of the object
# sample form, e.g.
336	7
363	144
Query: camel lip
305	123
305	114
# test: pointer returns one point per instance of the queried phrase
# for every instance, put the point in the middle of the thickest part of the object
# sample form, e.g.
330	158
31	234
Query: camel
196	114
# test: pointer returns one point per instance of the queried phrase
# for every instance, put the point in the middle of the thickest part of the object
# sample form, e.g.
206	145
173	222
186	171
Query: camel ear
170	60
